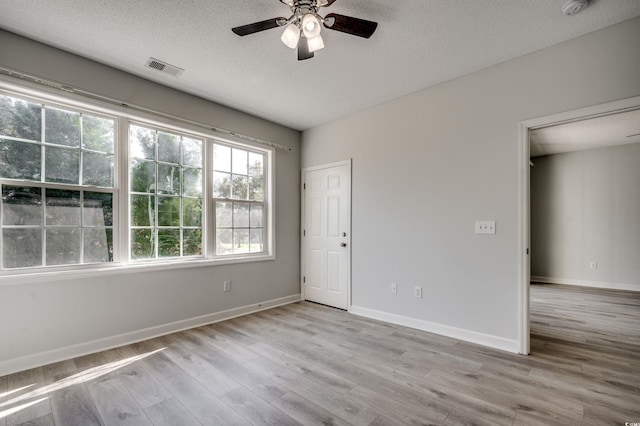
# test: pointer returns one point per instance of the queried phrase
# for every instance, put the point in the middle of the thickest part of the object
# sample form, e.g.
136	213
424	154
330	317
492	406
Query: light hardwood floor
310	364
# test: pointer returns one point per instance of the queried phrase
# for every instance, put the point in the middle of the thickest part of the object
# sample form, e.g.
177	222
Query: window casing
239	199
83	186
59	208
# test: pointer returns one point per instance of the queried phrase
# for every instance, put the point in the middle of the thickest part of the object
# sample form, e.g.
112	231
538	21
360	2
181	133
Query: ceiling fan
303	26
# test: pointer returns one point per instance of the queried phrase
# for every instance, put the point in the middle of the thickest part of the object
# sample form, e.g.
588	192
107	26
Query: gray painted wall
585	207
45	316
428	165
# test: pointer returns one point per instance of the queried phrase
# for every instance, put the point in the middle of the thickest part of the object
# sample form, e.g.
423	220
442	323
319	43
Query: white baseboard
80	349
445	330
586	283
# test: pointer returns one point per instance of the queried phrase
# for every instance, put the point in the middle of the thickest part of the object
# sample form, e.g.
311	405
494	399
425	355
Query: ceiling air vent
164	67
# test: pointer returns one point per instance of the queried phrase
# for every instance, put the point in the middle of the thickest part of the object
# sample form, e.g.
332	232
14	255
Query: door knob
343	244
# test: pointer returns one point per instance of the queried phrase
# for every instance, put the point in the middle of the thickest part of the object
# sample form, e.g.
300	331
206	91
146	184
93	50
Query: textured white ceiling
419	43
609	130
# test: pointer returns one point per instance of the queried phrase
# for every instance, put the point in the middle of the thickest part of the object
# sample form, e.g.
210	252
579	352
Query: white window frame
266	203
121	231
44	185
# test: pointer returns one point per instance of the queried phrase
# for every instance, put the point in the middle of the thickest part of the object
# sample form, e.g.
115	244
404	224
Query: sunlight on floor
2	395
82	377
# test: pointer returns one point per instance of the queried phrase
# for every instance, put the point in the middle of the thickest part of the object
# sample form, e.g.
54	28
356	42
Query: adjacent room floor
310	364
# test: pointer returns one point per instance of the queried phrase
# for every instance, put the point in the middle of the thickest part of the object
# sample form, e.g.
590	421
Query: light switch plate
486	227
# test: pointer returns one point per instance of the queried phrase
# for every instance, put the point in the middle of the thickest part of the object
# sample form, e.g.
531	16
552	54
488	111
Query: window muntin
239	200
63	218
59	173
166	204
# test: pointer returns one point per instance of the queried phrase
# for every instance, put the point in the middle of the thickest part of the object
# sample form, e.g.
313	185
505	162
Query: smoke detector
573	7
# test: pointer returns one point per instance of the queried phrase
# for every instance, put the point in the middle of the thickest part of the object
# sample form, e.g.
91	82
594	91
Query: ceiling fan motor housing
573	7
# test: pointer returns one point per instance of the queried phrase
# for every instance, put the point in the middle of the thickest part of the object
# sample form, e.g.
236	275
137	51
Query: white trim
441	329
45	275
304	171
80	349
524	264
346	162
587	283
523	194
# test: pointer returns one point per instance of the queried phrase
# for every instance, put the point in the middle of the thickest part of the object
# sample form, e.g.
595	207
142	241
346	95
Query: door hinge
527	250
304	279
304	232
304	186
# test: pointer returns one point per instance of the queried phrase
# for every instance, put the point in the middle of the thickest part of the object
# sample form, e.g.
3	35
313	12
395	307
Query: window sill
32	276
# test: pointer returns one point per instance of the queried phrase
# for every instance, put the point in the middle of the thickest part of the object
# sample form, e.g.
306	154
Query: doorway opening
547	136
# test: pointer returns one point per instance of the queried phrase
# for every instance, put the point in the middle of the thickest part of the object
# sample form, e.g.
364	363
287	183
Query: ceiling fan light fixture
291	36
315	43
310	26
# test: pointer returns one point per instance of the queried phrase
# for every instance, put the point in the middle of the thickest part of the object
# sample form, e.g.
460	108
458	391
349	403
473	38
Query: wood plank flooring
313	365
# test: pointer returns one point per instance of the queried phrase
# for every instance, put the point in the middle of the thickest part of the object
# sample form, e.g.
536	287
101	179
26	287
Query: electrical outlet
227	286
593	265
417	291
394	288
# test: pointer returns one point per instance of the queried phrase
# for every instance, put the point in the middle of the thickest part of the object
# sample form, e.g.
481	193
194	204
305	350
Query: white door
326	234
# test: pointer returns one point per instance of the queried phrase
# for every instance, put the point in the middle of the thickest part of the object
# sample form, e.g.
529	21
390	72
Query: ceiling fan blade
350	25
325	3
258	26
303	50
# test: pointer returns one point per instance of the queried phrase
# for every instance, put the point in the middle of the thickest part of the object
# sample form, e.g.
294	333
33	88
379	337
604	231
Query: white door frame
523	195
302	216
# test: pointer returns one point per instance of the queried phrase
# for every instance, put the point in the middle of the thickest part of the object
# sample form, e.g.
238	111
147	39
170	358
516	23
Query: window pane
221	185
256	241
192	182
240	160
98	134
240	215
191	152
168	242
22	247
142	142
256	189
143	209
20	119
62	165
143	176
62	208
97	209
192	242
20	160
168	211
98	245
21	206
168	179
240	187
224	242
168	148
97	169
256	166
62	127
221	158
240	240
224	212
63	246
142	244
256	216
191	212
